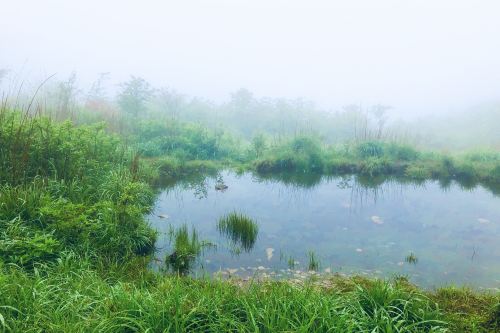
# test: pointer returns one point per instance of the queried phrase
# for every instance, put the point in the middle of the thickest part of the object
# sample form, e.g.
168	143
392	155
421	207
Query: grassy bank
376	158
71	296
74	243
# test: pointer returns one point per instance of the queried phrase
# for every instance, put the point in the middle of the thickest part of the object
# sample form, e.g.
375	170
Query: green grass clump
468	310
411	259
370	149
186	250
240	229
313	264
301	154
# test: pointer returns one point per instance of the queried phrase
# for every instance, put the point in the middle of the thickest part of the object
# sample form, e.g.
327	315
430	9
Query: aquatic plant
370	149
411	258
186	250
291	262
314	263
240	229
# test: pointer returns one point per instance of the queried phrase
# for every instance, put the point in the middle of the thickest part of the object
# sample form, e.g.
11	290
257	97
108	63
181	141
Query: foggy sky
419	56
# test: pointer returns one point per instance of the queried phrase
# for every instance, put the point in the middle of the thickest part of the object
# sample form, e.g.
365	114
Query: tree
134	96
97	93
66	96
170	102
379	113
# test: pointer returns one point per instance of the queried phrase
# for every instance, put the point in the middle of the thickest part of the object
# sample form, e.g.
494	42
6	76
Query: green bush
370	149
401	152
26	246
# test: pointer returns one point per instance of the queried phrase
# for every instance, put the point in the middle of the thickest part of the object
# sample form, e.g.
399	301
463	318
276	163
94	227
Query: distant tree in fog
134	95
97	92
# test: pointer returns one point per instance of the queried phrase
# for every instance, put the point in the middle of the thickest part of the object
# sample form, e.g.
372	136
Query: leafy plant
240	229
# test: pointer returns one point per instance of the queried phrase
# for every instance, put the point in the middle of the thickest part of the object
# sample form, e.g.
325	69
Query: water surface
353	225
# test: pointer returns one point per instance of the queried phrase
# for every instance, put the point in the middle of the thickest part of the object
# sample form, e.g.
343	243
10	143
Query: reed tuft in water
411	259
240	229
187	248
313	261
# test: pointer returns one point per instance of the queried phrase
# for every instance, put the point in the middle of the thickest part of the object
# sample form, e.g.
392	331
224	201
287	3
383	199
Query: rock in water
269	253
163	216
221	187
483	220
377	219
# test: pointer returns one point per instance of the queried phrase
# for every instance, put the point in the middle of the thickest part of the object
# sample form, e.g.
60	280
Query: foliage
313	264
69	296
134	95
240	229
67	187
186	249
301	154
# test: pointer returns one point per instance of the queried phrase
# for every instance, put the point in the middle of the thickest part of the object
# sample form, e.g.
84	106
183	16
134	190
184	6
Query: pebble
269	253
377	219
483	220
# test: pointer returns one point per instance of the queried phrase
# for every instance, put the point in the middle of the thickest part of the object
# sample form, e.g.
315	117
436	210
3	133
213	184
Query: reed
240	229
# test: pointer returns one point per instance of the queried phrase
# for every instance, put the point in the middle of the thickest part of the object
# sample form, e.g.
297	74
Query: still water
351	224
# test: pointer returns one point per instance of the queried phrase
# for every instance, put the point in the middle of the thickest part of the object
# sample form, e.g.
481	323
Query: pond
435	234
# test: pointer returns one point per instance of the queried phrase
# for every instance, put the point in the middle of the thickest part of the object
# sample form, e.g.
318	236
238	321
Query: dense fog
436	64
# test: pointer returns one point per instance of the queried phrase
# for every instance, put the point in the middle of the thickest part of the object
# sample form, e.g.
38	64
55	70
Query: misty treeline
243	115
249	117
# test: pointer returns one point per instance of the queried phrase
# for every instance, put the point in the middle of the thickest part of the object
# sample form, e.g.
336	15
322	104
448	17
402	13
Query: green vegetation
64	187
411	259
314	263
186	250
75	247
71	296
240	229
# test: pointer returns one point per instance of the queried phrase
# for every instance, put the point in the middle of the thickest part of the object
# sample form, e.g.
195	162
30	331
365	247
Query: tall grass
70	297
240	229
186	250
313	264
68	187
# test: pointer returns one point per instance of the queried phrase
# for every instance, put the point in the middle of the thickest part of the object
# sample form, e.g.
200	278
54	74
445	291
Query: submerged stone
221	187
269	253
377	219
232	270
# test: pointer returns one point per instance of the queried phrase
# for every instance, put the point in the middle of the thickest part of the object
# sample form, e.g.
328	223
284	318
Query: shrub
370	149
402	152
